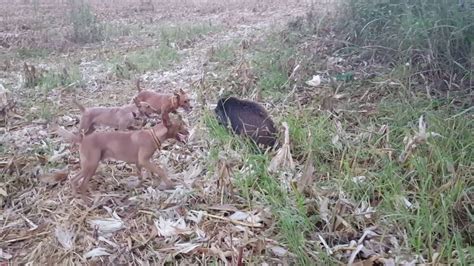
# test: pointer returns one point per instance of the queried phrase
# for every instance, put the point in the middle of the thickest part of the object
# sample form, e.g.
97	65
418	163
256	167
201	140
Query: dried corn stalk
283	158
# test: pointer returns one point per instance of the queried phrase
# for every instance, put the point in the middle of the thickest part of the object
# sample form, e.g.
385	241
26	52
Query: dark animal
247	118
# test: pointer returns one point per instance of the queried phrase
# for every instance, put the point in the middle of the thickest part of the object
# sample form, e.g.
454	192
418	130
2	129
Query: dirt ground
41	222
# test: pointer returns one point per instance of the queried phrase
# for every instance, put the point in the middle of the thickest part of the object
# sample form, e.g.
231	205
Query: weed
273	68
427	221
156	58
223	54
435	38
25	53
184	35
144	60
69	76
112	31
46	112
86	27
257	185
311	134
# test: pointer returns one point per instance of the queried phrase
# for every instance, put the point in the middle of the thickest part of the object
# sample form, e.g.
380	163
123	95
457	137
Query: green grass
436	178
26	53
273	69
434	37
256	184
156	58
115	30
184	33
40	108
431	227
86	27
68	77
224	54
165	53
144	60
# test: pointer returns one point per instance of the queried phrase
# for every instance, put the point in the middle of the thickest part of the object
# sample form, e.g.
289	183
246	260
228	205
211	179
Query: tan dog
120	118
163	103
135	147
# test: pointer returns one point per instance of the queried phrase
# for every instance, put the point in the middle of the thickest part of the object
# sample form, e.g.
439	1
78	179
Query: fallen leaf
283	158
168	228
419	138
65	237
96	252
107	226
246	216
195	216
239	216
323	203
279	251
308	174
185	247
3	192
58	155
359	179
54	177
4	96
4	255
314	82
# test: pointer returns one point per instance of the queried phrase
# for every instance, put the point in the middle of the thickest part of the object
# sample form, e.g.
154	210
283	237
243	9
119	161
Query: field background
378	99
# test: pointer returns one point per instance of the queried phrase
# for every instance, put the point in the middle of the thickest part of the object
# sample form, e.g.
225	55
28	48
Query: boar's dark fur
247	118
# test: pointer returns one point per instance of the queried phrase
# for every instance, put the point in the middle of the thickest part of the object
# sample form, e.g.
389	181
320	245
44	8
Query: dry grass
343	198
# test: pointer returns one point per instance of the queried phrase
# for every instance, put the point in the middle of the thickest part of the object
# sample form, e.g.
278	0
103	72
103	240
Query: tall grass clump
431	40
85	26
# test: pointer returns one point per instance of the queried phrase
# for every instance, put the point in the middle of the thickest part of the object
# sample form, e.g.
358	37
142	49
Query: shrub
85	25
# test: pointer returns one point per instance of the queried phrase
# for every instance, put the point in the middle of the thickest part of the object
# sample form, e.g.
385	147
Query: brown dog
163	103
135	147
120	118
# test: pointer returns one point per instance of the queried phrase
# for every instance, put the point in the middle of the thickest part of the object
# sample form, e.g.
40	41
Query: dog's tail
80	106
138	85
68	136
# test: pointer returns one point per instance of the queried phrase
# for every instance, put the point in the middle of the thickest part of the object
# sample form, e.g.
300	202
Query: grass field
381	144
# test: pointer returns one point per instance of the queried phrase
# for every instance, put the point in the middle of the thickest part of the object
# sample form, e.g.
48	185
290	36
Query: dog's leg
90	130
85	124
144	160
85	181
165	117
140	173
74	182
88	169
139	170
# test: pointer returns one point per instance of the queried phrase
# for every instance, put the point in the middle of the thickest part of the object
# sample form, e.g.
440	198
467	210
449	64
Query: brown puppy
120	118
135	147
163	103
247	118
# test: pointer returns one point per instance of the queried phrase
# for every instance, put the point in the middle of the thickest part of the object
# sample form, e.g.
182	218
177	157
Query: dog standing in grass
163	103
136	147
120	118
